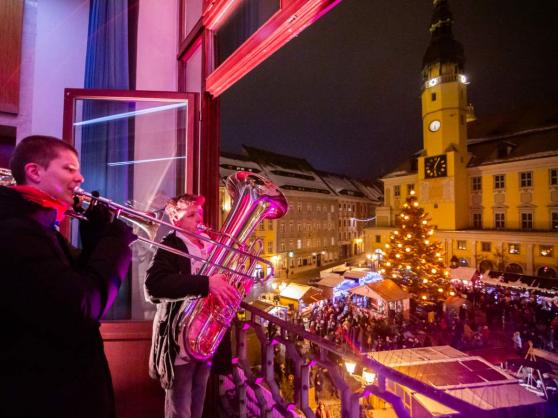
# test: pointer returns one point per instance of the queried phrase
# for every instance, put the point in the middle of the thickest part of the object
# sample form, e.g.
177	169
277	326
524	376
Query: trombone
149	223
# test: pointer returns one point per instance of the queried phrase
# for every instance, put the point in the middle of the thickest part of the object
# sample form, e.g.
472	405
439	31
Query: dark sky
345	94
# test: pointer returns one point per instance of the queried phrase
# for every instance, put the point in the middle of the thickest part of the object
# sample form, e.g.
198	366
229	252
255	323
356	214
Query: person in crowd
52	358
170	279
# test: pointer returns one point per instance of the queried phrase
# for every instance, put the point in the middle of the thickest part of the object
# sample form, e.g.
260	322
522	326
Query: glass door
139	149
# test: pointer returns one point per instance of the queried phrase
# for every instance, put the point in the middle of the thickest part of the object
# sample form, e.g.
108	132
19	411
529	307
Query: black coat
52	358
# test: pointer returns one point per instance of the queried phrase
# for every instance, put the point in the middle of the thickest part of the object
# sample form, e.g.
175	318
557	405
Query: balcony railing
257	392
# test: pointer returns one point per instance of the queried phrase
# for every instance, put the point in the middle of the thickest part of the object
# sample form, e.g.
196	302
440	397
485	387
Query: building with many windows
490	185
322	225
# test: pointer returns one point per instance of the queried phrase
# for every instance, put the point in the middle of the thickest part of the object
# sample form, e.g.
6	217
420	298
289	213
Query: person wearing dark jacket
52	358
170	279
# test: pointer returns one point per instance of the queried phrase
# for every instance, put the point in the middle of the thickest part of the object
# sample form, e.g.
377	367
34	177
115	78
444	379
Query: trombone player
52	357
170	279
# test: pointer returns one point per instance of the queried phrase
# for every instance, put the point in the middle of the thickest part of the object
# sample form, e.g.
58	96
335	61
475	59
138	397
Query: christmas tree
412	258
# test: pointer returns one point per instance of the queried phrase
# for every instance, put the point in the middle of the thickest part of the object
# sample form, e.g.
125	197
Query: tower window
433	96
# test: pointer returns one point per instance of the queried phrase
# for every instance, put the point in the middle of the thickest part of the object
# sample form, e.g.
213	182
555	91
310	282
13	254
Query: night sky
345	94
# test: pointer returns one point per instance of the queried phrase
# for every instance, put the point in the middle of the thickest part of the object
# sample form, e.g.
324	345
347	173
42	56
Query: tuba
202	322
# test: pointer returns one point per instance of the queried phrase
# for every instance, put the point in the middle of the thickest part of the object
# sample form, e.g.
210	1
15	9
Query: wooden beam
11	16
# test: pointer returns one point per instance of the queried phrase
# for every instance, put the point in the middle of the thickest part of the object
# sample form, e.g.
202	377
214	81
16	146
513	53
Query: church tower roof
443	48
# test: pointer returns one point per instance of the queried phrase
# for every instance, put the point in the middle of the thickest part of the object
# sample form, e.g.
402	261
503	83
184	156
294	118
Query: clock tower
442	165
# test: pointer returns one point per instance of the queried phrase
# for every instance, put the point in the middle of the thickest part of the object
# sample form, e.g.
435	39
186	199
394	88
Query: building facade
490	185
323	224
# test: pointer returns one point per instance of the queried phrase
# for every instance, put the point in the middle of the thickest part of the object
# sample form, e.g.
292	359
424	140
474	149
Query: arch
485	265
546	271
514	268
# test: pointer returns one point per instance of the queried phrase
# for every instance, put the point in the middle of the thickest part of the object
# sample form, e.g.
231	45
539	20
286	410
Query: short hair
37	149
186	198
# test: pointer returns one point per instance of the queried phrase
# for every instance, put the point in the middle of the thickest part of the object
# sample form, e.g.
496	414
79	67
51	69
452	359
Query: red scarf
43	199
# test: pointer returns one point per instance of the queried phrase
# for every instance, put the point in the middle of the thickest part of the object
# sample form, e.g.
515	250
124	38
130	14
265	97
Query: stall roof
462	273
355	274
294	291
363	290
470	378
388	290
264	306
306	294
332	280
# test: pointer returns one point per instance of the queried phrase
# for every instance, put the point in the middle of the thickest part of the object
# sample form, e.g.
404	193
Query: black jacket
169	281
52	358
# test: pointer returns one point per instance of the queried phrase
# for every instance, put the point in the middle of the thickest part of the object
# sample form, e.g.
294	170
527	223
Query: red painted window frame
292	17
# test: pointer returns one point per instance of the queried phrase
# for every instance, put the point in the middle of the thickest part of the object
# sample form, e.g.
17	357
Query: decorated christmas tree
413	258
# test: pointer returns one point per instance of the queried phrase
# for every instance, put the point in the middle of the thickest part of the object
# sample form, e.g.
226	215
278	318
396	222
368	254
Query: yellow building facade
323	224
490	185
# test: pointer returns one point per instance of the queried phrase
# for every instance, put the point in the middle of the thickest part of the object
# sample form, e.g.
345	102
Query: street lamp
350	366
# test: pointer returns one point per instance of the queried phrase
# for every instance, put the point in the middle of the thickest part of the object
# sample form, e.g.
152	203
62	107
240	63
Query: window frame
476	183
499	181
526	179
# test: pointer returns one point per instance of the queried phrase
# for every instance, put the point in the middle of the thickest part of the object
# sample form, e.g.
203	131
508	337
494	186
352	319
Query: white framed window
476	183
396	191
527	221
546	250
477	220
553	176
499	220
461	245
513	248
499	181
526	179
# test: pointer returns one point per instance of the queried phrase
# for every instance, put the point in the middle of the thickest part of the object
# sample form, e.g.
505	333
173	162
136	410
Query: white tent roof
462	273
295	291
331	280
355	274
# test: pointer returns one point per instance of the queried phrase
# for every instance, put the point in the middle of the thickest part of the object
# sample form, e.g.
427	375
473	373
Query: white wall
157	45
60	49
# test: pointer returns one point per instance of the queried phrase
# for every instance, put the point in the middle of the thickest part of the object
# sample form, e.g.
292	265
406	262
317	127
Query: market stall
382	297
297	296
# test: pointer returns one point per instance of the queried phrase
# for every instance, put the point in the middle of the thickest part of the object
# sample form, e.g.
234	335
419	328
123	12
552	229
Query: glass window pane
243	21
134	153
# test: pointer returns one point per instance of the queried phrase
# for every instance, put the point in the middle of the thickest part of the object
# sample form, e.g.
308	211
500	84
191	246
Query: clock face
435	166
434	125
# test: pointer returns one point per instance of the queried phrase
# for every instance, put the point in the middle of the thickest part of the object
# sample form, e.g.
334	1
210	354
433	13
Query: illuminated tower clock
442	166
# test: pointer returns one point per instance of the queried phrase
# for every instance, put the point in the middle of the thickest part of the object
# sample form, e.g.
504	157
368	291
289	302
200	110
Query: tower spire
443	48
